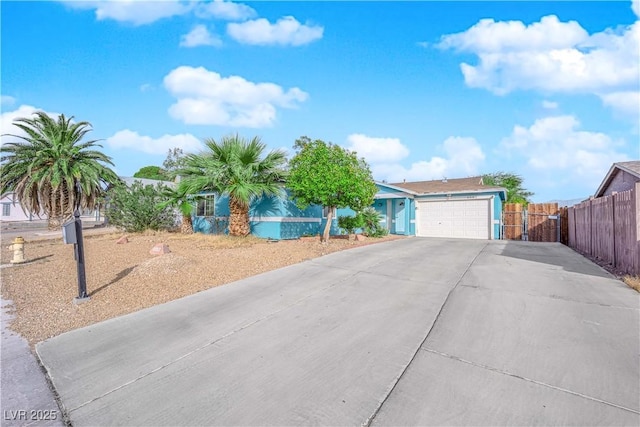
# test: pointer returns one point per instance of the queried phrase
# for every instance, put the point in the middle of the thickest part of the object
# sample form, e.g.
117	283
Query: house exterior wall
271	218
14	210
622	181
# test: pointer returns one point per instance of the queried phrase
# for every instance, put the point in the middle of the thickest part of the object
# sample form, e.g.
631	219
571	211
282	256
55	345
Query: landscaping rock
360	238
159	249
122	240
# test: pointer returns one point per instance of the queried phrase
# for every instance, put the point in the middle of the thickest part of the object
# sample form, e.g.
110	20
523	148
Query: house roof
632	167
457	185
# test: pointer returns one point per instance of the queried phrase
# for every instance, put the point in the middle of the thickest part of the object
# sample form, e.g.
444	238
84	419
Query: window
6	209
205	206
325	212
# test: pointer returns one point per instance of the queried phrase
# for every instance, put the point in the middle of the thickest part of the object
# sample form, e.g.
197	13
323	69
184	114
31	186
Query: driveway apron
412	332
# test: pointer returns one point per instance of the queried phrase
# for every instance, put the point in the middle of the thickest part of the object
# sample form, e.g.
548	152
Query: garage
463	218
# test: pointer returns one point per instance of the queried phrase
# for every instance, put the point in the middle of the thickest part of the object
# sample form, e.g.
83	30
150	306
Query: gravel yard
122	278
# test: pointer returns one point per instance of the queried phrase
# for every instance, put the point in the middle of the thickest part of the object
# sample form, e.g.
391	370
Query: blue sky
422	90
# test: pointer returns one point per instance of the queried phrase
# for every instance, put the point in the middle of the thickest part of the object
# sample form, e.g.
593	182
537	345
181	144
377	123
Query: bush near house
371	223
139	208
350	223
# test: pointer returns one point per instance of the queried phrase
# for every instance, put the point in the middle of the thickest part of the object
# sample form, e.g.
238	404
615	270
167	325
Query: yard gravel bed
122	278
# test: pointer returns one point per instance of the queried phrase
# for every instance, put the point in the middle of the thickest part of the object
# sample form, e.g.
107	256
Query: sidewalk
25	397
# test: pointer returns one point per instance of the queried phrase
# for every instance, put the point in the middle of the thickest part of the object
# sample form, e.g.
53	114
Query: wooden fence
608	229
538	222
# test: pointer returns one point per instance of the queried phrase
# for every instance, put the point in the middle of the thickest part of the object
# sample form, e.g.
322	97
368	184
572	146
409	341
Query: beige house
622	176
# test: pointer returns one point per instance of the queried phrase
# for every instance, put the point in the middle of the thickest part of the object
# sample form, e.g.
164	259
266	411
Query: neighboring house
622	176
449	208
12	209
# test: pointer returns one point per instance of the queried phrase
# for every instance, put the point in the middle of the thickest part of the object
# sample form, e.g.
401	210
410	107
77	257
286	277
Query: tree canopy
237	168
152	172
516	193
51	170
326	174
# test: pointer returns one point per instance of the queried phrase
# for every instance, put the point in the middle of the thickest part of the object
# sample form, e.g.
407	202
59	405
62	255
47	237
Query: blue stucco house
464	208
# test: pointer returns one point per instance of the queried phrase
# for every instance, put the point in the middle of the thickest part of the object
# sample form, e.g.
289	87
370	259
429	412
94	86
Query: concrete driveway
410	332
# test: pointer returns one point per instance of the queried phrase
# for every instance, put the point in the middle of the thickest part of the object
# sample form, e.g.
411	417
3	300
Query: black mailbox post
72	233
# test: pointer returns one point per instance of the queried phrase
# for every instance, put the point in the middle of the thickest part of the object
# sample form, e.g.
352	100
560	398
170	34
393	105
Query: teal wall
279	218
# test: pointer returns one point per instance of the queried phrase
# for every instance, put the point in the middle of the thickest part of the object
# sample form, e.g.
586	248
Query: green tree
235	167
180	199
174	161
326	174
516	193
152	172
139	207
51	170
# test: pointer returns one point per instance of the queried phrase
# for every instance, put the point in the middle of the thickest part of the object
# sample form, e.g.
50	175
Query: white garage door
468	219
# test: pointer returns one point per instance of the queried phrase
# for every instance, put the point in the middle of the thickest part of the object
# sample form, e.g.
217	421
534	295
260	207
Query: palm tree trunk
238	218
187	225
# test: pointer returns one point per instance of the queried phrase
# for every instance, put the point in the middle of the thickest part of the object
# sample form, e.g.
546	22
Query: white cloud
626	103
550	56
207	98
127	139
554	146
146	87
377	150
227	10
7	101
549	105
462	157
635	6
199	36
7	119
136	12
286	31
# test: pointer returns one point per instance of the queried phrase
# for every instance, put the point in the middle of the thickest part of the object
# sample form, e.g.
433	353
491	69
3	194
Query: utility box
69	233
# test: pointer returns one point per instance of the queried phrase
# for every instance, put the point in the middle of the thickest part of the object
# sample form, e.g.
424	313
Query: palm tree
235	167
178	197
51	171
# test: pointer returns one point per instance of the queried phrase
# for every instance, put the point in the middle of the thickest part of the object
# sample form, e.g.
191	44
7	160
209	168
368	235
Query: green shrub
371	223
349	224
135	208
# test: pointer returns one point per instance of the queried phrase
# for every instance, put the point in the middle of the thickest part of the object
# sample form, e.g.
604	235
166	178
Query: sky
422	90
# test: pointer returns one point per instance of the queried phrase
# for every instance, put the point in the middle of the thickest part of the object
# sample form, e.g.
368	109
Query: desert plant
178	198
235	167
350	223
51	171
371	223
138	208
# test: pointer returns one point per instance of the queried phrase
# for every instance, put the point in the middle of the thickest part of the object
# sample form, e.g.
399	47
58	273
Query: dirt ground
122	278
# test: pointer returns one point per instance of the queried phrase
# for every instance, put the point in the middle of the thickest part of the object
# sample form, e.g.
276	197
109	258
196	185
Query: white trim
379	196
275	219
283	219
491	217
440	198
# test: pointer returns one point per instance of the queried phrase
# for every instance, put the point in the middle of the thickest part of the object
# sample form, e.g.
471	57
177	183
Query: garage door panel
454	218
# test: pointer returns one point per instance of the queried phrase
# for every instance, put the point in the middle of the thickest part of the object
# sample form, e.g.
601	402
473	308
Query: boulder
122	240
159	249
360	238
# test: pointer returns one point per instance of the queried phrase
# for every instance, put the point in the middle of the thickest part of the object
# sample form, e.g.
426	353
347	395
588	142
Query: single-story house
622	176
463	208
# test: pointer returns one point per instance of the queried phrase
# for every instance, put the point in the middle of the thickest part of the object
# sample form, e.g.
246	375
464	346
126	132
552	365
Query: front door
399	216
